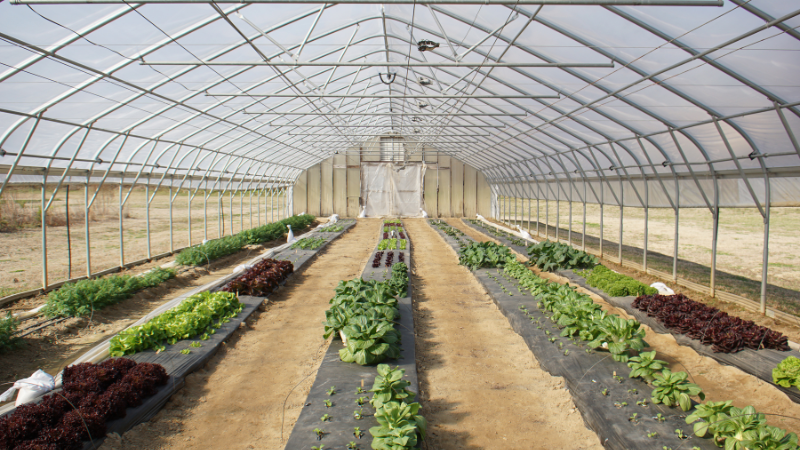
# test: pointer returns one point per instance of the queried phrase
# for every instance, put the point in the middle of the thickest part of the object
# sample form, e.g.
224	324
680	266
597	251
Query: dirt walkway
237	401
719	382
480	386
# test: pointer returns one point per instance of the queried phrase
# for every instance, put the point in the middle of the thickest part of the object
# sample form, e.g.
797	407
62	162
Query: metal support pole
714	233
677	219
558	209
765	258
646	219
251	209
569	233
529	213
547	218
583	235
147	217
205	212
230	210
220	218
171	237
601	219
121	241
272	205
258	205
189	220
538	194
44	234
86	228
621	209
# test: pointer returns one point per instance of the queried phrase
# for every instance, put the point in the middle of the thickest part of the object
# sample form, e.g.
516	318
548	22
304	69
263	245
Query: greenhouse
434	224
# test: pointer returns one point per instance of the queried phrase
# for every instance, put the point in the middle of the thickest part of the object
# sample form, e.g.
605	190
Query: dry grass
739	248
21	248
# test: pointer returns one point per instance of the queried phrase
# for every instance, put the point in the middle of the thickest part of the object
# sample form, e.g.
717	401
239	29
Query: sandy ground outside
480	386
719	382
252	391
739	249
21	251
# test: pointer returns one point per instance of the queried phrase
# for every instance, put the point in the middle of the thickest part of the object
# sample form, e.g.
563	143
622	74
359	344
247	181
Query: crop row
724	332
581	319
92	395
199	315
333	228
309	243
615	284
392	244
218	248
515	240
261	279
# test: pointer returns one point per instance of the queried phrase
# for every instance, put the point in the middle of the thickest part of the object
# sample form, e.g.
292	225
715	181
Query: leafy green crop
787	373
370	341
390	386
620	335
645	366
550	256
399	426
333	228
739	429
309	243
8	326
83	297
228	245
616	284
392	244
707	416
399	279
484	254
200	313
672	389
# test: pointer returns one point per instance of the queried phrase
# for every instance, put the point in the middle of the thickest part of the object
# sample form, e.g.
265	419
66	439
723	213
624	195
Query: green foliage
739	429
333	228
645	365
392	244
620	335
8	326
399	426
616	284
707	416
550	256
83	297
390	386
484	254
672	389
200	313
309	243
399	279
228	245
787	373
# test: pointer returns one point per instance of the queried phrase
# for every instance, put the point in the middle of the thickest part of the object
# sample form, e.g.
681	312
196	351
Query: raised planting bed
600	387
346	385
516	243
187	355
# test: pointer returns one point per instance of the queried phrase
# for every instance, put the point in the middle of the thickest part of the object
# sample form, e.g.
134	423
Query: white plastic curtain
390	189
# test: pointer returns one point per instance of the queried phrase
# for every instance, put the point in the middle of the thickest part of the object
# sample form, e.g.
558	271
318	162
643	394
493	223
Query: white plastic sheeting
391	189
695	92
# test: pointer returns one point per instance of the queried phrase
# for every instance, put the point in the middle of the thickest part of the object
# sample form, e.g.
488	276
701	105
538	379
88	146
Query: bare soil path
480	386
719	382
237	400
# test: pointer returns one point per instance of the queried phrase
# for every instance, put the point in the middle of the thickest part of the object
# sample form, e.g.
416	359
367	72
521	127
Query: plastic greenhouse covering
689	103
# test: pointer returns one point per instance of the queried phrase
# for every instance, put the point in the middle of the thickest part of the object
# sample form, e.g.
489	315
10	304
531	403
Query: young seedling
319	433
643	403
552	339
195	345
620	404
652	435
666	448
352	445
604	392
360	390
328	403
357	432
360	401
186	351
314	447
660	417
618	378
680	434
332	390
634	418
566	352
357	414
560	345
325	418
547	332
633	391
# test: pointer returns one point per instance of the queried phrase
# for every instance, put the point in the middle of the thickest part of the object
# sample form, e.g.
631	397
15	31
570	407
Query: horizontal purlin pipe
403	2
383	96
609	65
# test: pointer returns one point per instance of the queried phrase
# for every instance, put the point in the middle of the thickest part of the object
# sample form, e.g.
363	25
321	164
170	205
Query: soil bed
251	392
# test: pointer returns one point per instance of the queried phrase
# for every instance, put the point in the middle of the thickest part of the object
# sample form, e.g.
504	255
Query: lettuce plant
787	373
616	284
672	389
